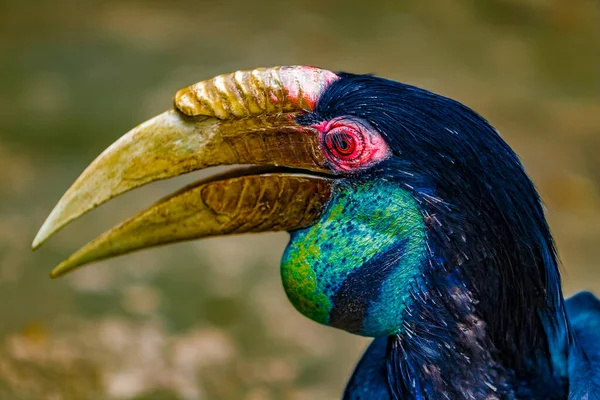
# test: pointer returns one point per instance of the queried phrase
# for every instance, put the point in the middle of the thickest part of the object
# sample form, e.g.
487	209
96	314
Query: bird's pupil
343	143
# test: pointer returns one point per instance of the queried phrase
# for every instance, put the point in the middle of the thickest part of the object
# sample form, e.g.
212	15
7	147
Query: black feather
492	266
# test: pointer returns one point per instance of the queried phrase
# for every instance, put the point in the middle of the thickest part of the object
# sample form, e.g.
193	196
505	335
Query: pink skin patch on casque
304	85
350	144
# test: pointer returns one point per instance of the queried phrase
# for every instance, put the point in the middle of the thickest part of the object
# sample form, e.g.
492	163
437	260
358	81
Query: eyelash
344	143
351	144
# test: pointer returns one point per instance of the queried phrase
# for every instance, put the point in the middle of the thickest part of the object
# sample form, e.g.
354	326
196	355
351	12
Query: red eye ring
350	144
344	143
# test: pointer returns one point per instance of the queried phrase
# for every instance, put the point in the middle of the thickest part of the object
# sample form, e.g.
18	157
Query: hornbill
410	221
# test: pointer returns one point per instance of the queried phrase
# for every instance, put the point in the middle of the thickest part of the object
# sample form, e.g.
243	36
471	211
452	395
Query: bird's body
416	225
578	376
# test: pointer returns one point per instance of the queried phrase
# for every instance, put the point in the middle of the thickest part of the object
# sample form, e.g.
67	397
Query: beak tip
47	229
53	223
62	269
55	274
39	239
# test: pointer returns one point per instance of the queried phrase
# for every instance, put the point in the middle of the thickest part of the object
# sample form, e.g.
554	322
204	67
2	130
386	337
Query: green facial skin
363	221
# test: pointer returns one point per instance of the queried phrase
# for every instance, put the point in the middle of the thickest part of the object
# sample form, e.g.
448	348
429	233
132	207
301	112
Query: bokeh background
209	319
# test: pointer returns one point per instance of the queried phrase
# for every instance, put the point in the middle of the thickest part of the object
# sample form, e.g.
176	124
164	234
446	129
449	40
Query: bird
411	221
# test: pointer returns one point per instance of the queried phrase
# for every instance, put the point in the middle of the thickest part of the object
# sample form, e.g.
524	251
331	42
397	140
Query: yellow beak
243	118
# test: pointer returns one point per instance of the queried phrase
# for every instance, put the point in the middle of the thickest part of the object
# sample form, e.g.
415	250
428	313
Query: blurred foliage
209	319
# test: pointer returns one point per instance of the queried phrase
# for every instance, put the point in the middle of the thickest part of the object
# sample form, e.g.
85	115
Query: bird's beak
246	118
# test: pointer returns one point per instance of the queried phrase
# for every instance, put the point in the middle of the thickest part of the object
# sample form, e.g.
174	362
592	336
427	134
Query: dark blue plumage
583	311
410	220
489	319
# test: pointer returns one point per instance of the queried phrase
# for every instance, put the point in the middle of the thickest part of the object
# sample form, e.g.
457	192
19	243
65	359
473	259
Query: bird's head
381	186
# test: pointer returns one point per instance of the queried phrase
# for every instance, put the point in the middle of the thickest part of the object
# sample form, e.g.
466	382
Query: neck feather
485	322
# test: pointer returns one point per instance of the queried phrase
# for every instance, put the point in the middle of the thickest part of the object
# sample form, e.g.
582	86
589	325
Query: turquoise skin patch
354	268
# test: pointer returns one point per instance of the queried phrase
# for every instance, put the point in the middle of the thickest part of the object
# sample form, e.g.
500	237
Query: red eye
344	143
351	144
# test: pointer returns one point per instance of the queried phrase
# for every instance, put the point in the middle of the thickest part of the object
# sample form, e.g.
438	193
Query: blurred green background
209	319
